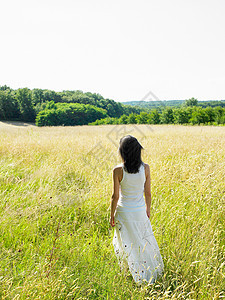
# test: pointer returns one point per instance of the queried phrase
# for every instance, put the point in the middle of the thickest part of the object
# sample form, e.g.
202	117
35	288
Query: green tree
166	116
5	87
110	110
38	96
154	116
132	119
181	115
142	118
123	119
210	112
51	96
219	114
199	116
24	98
9	109
69	114
191	102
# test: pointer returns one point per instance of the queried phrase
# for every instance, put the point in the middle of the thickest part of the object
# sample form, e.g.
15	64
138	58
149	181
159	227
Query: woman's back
132	188
134	241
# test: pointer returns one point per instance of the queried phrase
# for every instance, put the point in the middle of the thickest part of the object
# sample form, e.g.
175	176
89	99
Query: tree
69	114
219	114
9	109
51	96
199	116
181	115
210	112
110	110
4	88
142	118
167	116
132	119
123	119
154	117
24	98
191	102
38	96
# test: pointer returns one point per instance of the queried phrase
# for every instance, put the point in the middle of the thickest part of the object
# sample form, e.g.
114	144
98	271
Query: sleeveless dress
134	243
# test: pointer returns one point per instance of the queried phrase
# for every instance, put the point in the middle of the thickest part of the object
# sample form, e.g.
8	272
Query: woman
134	241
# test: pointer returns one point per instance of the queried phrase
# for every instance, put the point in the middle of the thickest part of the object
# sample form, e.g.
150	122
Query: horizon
114	99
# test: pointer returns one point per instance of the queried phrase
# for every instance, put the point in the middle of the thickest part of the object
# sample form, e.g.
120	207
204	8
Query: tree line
180	115
33	106
69	114
68	108
173	103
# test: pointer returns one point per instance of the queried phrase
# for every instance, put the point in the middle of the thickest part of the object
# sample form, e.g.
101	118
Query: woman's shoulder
119	166
118	171
145	165
146	168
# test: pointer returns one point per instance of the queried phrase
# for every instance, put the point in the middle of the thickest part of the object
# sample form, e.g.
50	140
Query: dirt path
16	124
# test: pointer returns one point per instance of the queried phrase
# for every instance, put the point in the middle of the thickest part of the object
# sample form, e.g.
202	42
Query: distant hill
172	103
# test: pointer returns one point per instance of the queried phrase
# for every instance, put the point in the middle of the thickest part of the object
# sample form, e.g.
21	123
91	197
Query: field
55	190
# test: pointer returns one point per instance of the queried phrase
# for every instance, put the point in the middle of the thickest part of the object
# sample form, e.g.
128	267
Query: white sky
121	49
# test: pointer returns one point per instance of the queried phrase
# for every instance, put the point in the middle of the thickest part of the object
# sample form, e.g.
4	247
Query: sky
123	50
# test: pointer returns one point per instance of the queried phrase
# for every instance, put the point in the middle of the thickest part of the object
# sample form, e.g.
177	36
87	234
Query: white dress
134	241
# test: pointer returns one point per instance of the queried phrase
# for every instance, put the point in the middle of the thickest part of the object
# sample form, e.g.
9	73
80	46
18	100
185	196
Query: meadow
55	191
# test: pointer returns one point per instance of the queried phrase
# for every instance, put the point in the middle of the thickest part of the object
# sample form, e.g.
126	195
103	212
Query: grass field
55	190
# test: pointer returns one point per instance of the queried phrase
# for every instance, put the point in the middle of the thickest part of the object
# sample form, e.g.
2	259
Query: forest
46	107
68	108
192	115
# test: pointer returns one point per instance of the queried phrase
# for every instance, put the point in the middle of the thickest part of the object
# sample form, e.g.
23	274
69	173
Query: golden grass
55	188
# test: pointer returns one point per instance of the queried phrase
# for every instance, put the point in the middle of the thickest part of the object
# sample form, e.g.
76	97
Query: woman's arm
115	195
147	190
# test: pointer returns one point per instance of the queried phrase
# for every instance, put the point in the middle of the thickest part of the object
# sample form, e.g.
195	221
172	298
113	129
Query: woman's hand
112	221
148	212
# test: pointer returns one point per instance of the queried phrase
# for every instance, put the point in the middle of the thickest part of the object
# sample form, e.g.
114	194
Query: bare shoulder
147	169
118	171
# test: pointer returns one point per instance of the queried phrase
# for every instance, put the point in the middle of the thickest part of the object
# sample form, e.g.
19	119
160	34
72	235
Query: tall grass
55	238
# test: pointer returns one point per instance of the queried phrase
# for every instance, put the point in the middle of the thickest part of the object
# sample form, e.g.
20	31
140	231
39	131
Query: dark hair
130	151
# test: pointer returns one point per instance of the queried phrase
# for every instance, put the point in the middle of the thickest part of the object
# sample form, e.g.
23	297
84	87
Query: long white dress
133	240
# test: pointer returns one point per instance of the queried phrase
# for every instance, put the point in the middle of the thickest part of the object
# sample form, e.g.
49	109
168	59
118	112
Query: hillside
172	103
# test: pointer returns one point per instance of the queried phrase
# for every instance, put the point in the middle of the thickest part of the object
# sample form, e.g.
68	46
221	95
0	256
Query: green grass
55	238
